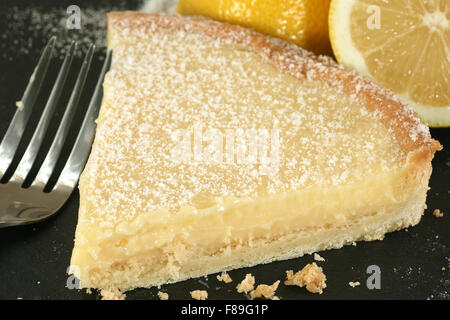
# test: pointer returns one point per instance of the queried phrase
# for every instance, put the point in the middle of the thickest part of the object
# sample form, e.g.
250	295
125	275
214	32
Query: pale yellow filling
191	233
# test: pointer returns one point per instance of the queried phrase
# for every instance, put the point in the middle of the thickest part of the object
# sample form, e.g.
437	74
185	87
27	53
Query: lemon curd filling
240	221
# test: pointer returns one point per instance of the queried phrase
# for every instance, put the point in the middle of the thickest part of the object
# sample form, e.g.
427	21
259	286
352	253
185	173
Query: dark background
34	259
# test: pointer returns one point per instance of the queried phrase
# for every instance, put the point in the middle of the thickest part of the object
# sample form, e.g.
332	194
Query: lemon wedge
403	45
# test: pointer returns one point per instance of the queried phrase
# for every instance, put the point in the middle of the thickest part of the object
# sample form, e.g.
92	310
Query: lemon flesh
404	45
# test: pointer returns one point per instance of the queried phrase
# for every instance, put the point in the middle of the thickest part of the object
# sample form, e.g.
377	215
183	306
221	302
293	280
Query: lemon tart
219	148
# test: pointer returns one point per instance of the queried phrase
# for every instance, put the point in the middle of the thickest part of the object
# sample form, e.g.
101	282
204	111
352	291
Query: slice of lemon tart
219	148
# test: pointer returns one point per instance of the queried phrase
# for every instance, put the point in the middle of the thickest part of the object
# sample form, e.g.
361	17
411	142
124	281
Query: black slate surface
34	259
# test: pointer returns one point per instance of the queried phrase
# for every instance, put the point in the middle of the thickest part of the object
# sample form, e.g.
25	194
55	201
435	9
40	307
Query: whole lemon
303	22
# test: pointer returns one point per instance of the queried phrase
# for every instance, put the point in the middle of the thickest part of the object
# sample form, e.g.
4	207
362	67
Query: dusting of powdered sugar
28	28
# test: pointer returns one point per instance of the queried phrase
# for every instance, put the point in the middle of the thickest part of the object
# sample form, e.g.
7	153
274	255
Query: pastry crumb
224	277
88	291
275	298
163	295
114	294
354	284
437	213
199	294
310	276
247	284
264	290
317	257
443	269
19	105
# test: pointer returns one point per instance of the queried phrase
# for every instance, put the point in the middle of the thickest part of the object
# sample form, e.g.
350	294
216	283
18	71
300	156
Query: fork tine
82	147
52	156
32	150
15	130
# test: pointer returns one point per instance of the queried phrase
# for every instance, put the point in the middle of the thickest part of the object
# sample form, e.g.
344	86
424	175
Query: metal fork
19	205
